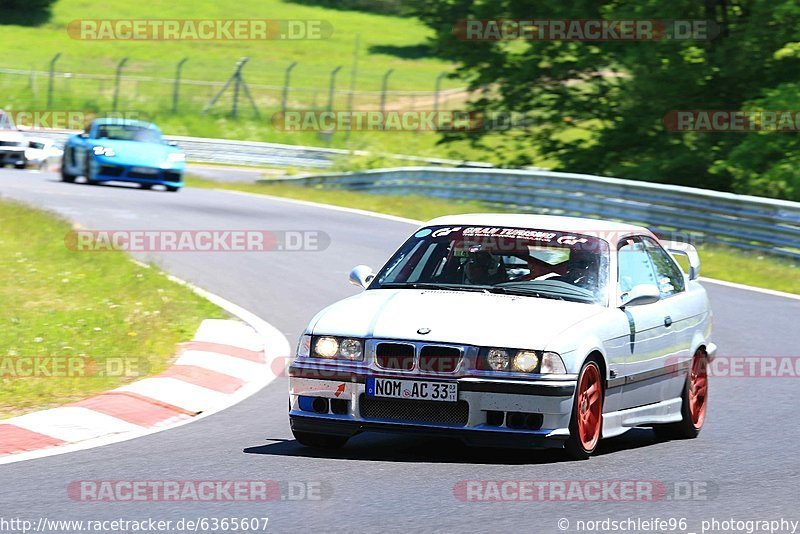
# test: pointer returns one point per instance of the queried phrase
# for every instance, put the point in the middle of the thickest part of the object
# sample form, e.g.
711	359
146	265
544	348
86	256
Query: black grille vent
395	356
434	359
415	411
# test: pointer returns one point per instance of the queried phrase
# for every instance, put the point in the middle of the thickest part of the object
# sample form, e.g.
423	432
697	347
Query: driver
483	268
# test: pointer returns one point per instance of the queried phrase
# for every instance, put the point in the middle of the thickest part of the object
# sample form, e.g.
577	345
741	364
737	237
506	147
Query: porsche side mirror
640	295
362	276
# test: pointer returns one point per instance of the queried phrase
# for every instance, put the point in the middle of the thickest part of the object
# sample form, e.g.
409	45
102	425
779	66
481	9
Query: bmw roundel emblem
424	331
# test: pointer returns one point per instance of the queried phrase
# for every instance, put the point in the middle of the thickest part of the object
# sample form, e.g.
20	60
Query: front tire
695	403
586	422
65	175
320	441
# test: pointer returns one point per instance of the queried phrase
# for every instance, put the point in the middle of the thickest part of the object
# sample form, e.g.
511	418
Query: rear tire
695	402
320	441
586	423
172	189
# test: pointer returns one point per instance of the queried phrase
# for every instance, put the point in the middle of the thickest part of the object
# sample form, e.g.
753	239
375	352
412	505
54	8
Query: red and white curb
226	362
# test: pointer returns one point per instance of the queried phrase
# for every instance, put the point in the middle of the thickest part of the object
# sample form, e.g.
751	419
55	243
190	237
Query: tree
599	107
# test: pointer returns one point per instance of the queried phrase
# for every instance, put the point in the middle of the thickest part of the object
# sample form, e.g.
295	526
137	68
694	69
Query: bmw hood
453	317
136	152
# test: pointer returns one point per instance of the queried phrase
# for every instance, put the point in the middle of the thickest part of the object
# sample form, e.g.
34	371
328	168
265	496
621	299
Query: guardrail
700	215
229	152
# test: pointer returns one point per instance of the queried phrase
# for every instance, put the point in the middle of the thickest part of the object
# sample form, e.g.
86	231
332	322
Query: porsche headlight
326	347
176	157
525	361
103	151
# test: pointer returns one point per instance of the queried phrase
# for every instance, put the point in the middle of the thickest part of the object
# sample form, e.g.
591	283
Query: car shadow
392	448
115	185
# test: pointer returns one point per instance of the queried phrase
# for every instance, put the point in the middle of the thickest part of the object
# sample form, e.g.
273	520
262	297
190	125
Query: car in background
42	153
123	150
511	330
12	143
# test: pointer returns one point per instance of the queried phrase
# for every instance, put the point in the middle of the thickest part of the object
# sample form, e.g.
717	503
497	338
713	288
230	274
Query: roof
579	225
126	122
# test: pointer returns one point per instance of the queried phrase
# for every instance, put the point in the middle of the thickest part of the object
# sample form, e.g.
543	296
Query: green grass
720	262
386	42
95	305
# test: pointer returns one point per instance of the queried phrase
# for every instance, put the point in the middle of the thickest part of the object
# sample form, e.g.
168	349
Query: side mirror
640	295
362	276
84	135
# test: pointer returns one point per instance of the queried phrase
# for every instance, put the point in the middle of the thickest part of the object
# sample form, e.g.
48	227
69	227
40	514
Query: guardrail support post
50	82
116	83
176	89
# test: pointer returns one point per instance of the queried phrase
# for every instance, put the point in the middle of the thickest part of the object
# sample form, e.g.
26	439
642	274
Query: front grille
435	359
110	170
395	356
144	175
10	143
414	411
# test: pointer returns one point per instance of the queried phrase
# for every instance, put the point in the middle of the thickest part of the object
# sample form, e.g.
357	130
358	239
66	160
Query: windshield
519	261
122	132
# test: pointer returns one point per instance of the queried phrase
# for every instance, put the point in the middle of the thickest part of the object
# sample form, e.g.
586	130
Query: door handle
667	321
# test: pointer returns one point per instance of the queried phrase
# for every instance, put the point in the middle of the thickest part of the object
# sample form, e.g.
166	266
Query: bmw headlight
497	359
103	151
326	347
330	347
176	157
519	361
525	361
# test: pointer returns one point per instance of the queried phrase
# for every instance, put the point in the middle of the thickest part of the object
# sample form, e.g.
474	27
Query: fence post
384	86
50	82
353	74
116	82
332	86
176	89
436	91
286	77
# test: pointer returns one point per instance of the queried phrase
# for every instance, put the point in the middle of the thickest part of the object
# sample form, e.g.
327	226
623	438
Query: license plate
145	170
394	388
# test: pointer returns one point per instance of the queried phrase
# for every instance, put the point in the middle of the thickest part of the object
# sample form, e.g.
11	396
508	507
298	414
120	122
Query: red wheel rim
698	390
590	407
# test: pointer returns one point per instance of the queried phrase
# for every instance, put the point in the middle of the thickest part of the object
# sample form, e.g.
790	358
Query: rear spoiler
689	252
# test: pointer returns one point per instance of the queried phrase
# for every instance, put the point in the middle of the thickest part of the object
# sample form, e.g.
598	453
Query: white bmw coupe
511	330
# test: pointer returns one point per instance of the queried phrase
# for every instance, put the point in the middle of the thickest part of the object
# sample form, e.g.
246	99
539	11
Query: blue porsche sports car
123	150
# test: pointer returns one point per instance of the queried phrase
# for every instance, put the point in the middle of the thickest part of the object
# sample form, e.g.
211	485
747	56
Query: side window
634	265
669	275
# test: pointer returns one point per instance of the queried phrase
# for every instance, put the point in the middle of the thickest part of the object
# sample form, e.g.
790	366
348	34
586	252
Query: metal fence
122	90
699	215
255	153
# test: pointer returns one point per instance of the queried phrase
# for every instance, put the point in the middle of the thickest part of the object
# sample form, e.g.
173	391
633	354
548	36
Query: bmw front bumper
489	412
